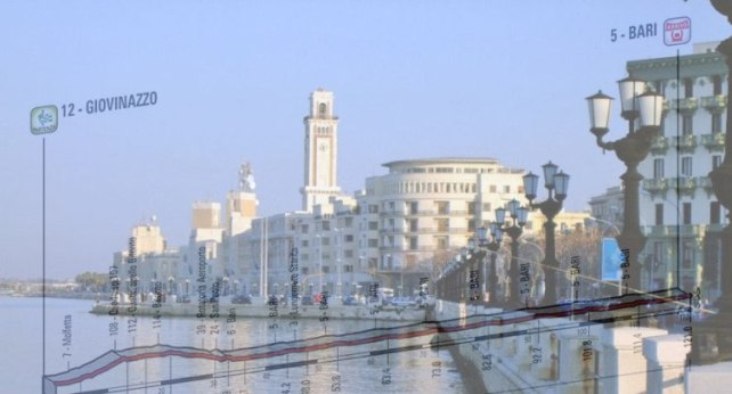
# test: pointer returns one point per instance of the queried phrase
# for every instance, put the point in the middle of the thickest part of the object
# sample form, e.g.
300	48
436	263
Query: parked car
306	300
403	301
241	299
272	300
350	300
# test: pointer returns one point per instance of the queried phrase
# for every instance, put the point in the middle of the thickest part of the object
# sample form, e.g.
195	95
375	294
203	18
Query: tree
92	281
583	245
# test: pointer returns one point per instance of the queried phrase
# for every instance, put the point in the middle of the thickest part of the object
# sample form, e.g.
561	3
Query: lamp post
712	338
490	273
514	229
645	109
556	184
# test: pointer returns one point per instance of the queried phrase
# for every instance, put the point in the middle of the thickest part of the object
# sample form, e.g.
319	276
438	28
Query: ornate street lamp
712	338
646	109
556	184
490	273
514	229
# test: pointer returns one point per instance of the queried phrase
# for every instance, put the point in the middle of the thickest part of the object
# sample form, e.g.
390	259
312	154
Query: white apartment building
426	209
154	263
678	207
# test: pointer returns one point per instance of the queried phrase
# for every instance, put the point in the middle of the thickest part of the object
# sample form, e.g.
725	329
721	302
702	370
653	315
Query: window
373	243
717	85
658	251
487	206
305	270
413	225
658	86
686	166
373	225
442	225
716	123
325	241
305	243
325	225
492	188
687	125
304	229
507	189
348	238
714	212
442	207
304	257
659	214
413	208
348	268
688	87
716	161
441	243
413	243
471	208
321	108
658	168
348	222
688	253
687	212
373	208
326	269
471	225
348	253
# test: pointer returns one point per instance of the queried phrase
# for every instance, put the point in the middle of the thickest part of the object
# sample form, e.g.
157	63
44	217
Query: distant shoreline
78	296
284	312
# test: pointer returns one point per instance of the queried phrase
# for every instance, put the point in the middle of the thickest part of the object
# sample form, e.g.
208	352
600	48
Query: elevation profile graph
129	368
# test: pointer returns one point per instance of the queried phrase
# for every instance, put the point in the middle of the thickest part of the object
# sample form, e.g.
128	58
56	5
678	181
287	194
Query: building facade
681	214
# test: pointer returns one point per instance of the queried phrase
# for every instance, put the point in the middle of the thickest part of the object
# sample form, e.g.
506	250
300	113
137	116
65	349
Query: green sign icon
44	119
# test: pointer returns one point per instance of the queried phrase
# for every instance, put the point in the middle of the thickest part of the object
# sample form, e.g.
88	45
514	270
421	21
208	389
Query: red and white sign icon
677	31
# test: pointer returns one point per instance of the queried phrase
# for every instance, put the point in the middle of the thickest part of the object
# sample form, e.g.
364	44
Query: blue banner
612	257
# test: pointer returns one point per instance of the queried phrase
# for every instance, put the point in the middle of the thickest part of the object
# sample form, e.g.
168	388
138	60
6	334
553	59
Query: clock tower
321	151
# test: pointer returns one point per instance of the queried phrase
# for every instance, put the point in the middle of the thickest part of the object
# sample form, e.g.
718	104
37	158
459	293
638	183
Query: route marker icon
44	119
677	31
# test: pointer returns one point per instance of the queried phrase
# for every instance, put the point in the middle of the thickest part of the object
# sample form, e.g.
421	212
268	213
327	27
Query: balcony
714	103
686	142
684	185
390	230
713	141
704	182
684	105
421	213
656	185
685	230
659	145
658	231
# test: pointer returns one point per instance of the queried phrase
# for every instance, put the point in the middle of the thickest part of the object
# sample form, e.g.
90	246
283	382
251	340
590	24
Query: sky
411	79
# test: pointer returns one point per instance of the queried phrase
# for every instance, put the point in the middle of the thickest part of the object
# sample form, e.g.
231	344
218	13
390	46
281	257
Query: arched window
321	109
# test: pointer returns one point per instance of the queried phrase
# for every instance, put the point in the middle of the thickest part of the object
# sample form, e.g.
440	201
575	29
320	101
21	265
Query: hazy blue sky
504	79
